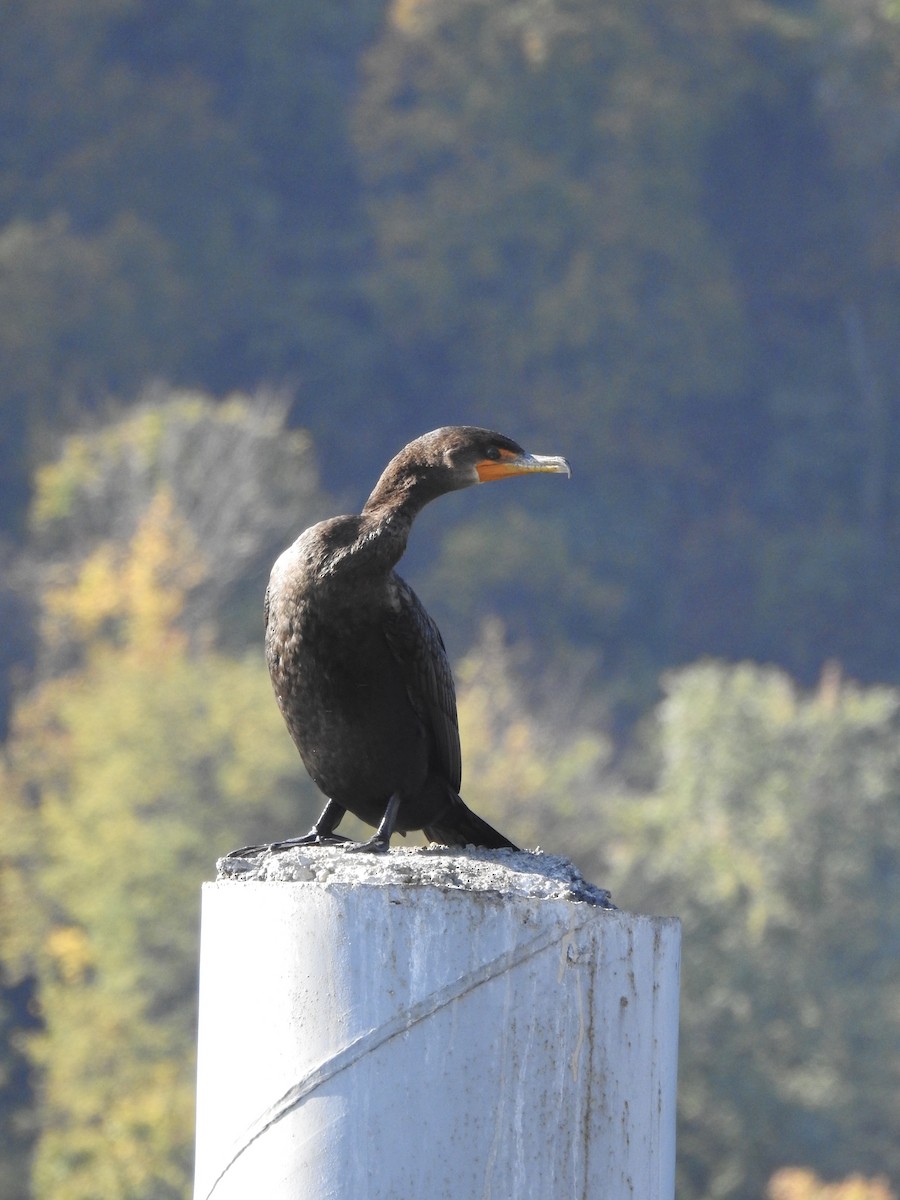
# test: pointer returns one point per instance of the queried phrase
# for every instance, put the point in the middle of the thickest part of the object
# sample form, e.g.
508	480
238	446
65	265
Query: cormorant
359	667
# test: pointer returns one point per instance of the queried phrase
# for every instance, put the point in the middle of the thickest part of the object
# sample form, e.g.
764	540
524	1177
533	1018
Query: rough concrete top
512	872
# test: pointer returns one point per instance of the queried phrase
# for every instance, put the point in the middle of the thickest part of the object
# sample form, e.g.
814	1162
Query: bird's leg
321	834
380	841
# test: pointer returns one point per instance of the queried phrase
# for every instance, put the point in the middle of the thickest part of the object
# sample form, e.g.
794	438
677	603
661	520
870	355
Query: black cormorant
359	667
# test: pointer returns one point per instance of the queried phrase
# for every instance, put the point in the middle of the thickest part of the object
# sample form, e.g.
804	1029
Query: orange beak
519	464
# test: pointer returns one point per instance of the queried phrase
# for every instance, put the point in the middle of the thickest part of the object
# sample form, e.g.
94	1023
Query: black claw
380	842
375	845
247	852
313	838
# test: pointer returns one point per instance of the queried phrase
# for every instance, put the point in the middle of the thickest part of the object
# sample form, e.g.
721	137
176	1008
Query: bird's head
455	457
459	455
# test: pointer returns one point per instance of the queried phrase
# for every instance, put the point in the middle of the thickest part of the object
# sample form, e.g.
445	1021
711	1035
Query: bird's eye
492	453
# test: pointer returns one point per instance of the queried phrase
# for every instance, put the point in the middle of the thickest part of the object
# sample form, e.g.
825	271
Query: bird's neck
387	518
384	533
399	496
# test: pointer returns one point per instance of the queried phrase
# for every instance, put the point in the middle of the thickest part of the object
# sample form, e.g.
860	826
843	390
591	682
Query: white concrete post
433	1024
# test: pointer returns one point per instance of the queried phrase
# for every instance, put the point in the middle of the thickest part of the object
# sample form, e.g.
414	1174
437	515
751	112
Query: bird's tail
459	826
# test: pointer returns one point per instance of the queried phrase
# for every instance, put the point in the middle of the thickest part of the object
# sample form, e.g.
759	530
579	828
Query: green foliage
523	559
18	1015
640	228
551	153
154	201
774	832
795	1183
80	312
771	826
240	483
141	753
130	774
522	239
660	238
769	822
529	769
137	792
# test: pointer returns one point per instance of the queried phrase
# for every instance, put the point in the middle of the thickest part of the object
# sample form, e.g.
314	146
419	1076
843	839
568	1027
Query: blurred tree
771	824
277	270
535	753
666	234
535	183
139	748
801	189
186	173
18	1004
774	832
127	773
240	482
78	314
797	1183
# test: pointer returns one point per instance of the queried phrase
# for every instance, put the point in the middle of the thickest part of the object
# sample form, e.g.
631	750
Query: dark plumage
359	668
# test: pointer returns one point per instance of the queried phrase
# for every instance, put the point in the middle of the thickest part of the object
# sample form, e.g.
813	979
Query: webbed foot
309	839
376	844
321	834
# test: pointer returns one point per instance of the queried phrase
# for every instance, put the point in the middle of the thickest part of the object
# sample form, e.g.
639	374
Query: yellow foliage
121	1099
18	849
57	483
131	595
409	16
799	1183
70	951
527	777
128	776
85	456
123	778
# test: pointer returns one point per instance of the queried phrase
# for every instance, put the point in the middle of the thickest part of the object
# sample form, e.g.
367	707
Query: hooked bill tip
552	462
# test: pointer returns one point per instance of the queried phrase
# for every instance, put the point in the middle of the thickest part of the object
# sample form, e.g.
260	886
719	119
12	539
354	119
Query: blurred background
247	251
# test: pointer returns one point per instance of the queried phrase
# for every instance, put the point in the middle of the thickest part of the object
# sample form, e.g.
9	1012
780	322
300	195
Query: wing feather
416	644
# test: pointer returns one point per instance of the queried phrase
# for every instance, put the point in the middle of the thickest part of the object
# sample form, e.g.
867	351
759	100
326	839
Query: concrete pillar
432	1023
